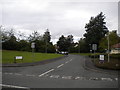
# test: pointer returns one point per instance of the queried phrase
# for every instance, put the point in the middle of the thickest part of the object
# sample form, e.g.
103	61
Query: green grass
86	54
83	54
8	56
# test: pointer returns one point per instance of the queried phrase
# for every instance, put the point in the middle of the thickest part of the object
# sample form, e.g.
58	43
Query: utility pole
46	46
78	45
108	48
33	46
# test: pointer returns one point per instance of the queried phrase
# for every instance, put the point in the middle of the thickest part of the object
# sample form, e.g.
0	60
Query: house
115	49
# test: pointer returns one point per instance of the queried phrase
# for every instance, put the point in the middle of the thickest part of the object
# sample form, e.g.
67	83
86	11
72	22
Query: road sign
101	57
18	57
94	46
33	45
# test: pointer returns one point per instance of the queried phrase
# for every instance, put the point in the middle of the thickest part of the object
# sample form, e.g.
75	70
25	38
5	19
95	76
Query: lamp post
108	48
78	45
33	46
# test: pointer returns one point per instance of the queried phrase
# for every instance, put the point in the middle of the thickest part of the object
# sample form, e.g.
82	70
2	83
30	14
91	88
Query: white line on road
17	74
107	79
60	66
46	72
12	86
8	73
71	60
30	75
66	62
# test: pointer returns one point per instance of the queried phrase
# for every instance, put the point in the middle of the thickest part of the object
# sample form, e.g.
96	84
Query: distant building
115	49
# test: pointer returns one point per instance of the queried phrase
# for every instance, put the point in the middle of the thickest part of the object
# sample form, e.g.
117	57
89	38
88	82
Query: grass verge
8	56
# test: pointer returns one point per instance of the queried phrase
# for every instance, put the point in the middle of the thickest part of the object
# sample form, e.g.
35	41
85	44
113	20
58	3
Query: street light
108	47
78	45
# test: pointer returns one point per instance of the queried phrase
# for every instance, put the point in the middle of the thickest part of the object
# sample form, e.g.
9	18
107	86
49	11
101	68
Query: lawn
86	54
8	56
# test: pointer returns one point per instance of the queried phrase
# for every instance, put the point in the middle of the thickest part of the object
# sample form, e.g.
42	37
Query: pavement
73	71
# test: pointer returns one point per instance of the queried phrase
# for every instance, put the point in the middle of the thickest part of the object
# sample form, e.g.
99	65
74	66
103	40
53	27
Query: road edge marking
13	86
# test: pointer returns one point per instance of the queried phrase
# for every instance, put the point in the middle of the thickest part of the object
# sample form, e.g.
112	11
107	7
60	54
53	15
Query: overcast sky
61	17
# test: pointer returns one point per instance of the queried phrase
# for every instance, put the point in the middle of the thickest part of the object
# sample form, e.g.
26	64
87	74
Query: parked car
63	52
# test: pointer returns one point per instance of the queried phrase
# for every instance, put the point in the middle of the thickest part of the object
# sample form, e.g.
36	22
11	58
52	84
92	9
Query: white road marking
46	72
93	78
30	75
67	77
116	79
5	73
12	86
54	76
107	79
71	60
80	78
17	74
66	62
60	66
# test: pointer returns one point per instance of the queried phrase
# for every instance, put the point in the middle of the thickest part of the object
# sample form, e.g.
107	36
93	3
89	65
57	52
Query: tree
113	39
47	38
9	40
95	29
24	45
64	43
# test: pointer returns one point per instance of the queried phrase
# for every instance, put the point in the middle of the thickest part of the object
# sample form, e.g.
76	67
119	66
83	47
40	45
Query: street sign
101	57
33	45
18	57
94	47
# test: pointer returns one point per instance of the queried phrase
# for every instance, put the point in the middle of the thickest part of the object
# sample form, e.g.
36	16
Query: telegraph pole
108	48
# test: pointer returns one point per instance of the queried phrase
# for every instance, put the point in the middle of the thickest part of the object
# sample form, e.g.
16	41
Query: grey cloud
60	17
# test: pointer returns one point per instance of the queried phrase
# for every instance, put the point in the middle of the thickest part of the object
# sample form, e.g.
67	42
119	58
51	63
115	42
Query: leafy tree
47	38
95	29
34	36
82	46
64	43
24	45
113	39
10	44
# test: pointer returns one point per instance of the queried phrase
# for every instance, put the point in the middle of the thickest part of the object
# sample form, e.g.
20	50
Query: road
68	72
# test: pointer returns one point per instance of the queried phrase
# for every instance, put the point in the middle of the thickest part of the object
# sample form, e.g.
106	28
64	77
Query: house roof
116	45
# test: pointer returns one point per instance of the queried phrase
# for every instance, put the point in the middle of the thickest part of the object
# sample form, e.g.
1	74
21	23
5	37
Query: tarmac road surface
67	72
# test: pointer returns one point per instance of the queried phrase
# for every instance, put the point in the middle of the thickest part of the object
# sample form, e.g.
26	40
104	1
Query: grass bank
8	56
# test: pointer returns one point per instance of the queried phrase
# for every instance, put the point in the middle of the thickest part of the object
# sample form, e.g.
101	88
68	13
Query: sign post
33	46
101	58
94	47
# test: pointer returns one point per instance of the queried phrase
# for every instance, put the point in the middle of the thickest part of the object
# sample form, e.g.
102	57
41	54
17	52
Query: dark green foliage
113	39
65	43
95	29
10	42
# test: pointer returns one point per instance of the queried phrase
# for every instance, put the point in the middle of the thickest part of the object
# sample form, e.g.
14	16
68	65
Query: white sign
32	45
18	57
94	46
101	57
